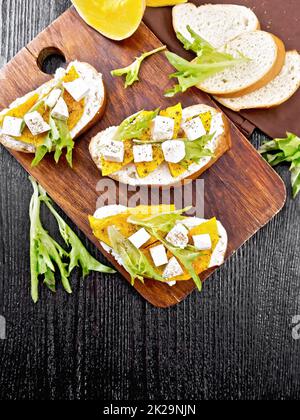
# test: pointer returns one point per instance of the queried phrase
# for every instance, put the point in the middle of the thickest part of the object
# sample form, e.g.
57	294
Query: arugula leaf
285	150
78	254
163	222
47	146
58	138
295	177
198	45
44	251
135	262
195	150
132	71
135	125
64	141
209	62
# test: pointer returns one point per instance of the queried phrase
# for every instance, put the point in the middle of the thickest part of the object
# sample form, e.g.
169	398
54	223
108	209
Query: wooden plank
241	189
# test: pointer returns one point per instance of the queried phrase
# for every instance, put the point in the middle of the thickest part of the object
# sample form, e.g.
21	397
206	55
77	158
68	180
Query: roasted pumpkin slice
111	167
100	226
120	221
176	169
71	75
145	168
206	118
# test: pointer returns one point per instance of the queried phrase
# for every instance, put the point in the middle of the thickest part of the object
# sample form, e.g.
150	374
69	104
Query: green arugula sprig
57	139
135	262
195	150
209	61
45	252
135	125
132	71
285	150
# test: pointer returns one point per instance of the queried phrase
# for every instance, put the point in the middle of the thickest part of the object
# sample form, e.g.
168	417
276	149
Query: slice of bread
267	55
273	94
220	144
93	108
217	23
217	257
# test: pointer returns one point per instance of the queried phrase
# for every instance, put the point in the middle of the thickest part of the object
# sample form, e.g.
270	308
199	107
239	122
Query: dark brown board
241	189
277	16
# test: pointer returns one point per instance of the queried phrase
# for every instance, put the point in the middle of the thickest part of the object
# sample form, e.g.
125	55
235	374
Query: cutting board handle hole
50	59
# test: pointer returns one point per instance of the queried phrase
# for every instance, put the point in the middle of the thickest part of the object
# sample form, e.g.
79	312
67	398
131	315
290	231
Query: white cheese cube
163	128
178	236
217	125
172	283
173	269
78	89
174	151
202	242
143	153
159	255
113	151
139	238
36	124
193	129
53	97
12	126
60	111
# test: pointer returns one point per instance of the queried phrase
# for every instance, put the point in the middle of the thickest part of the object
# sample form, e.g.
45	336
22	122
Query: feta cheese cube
12	126
60	111
159	255
139	238
202	242
178	236
163	128
143	153
35	123
193	129
217	125
53	97
78	89
172	283
113	151
173	269
174	151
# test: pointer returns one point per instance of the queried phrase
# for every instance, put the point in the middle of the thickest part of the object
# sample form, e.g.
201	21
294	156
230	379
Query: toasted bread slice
162	176
217	23
278	91
267	56
94	104
215	259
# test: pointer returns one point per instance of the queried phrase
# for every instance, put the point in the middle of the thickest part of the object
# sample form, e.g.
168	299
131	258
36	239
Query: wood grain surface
104	342
241	179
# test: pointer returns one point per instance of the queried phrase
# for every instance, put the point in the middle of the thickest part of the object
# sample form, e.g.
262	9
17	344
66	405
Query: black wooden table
233	341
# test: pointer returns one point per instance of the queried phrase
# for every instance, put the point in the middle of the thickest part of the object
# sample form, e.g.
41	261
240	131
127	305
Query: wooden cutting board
241	189
280	17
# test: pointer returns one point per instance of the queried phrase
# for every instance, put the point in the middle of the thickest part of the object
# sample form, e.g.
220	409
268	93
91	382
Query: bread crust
262	105
18	146
268	77
224	144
